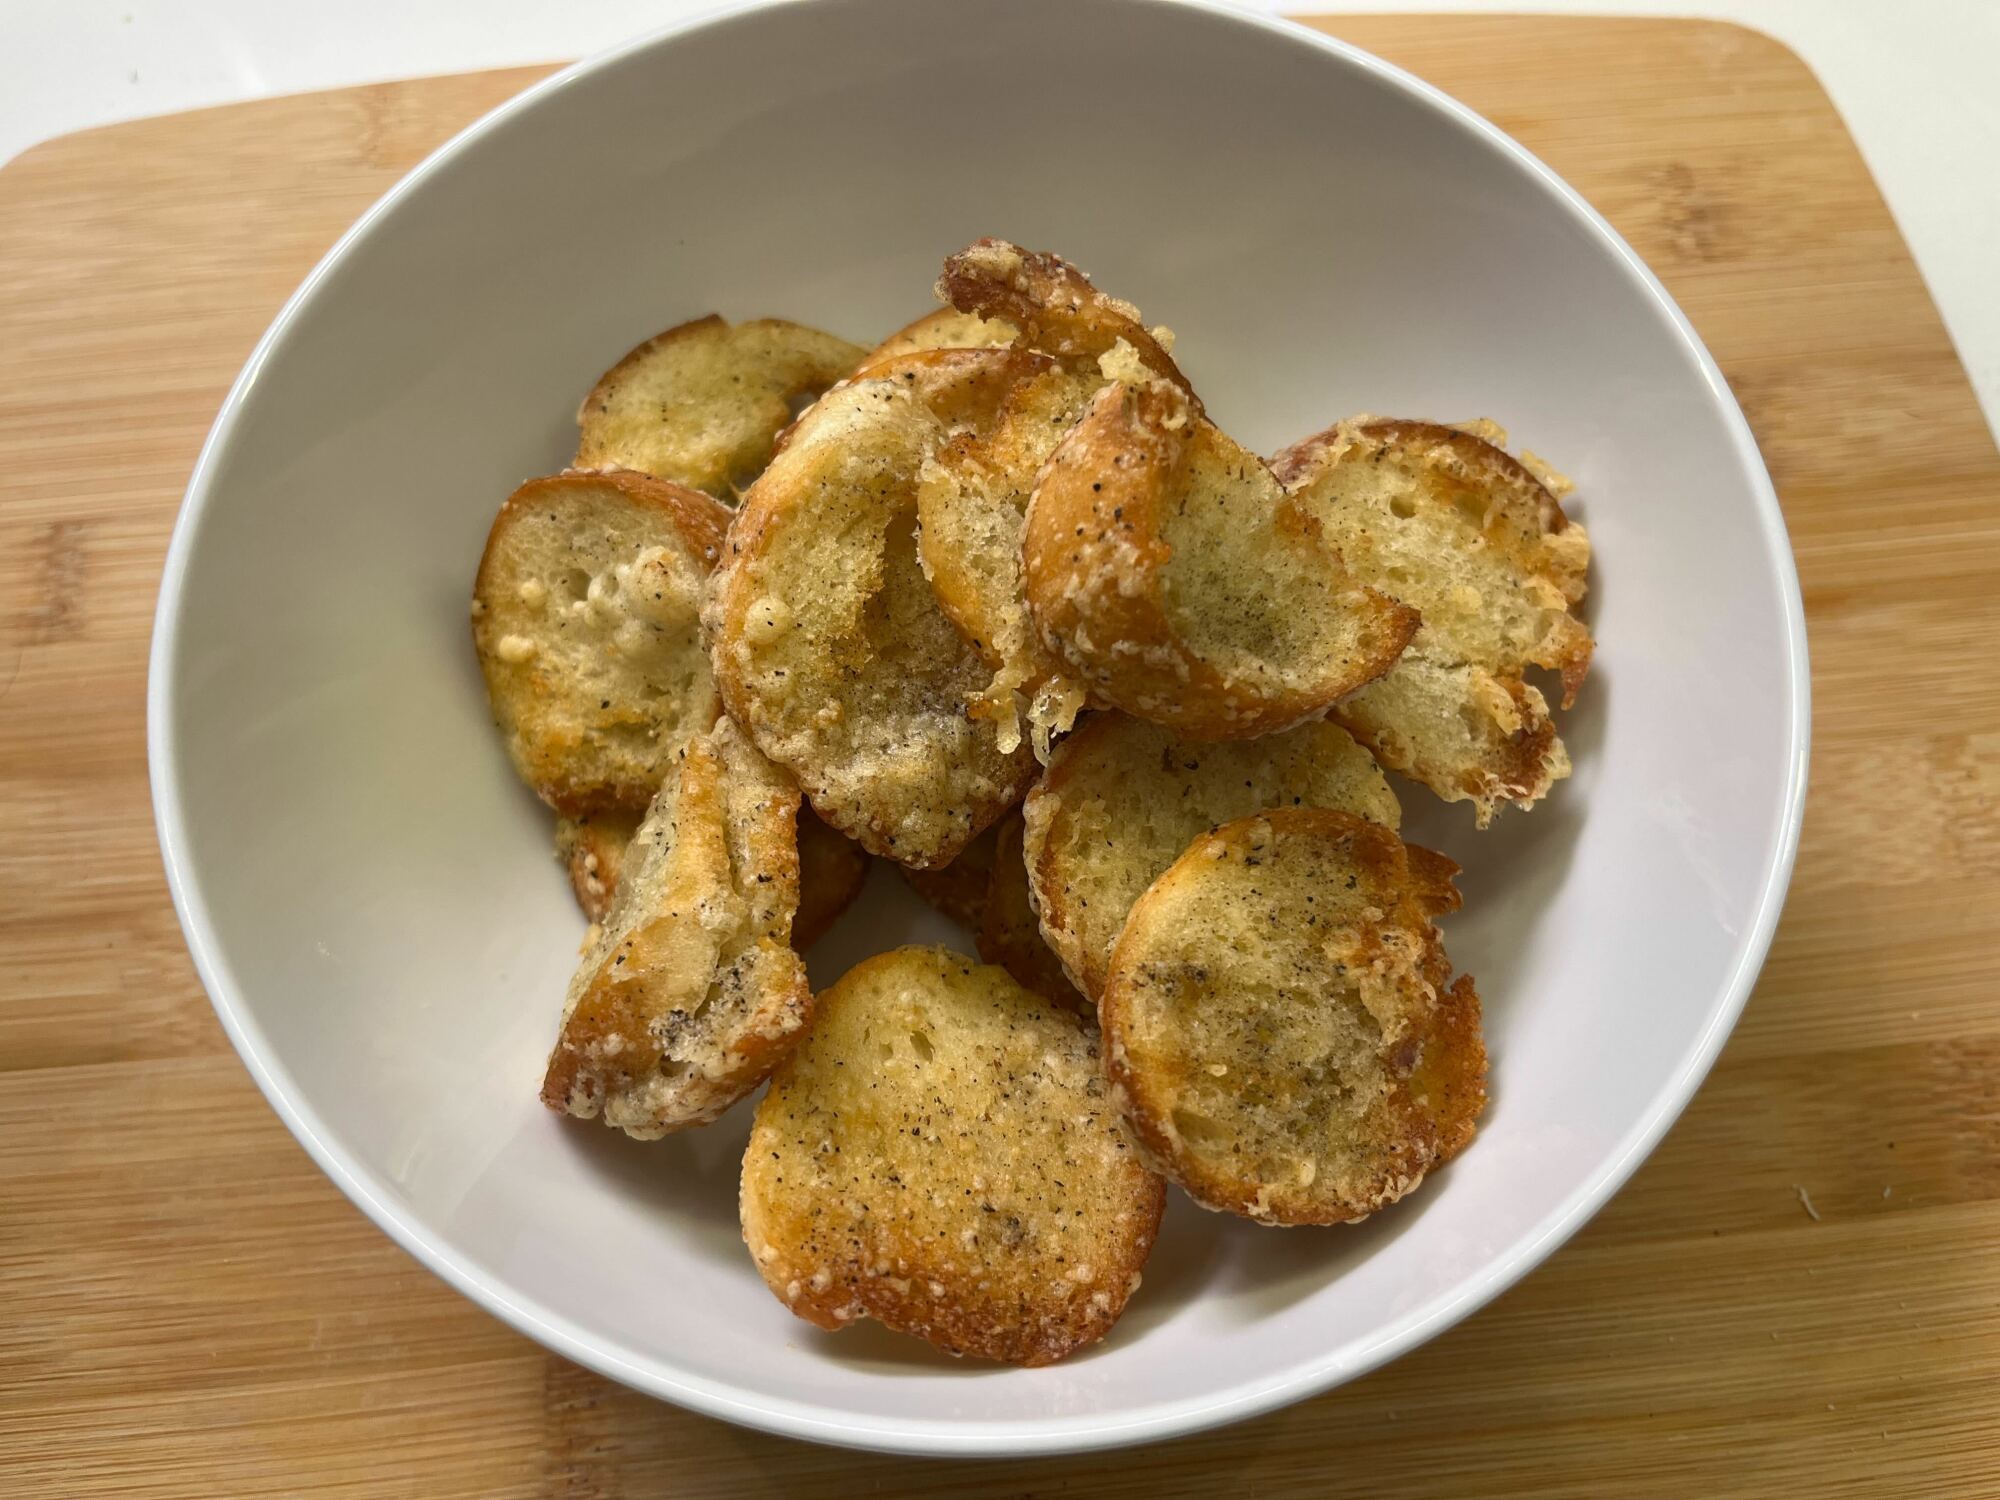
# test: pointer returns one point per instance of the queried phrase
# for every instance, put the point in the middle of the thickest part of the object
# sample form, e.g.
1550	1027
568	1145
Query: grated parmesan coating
941	1156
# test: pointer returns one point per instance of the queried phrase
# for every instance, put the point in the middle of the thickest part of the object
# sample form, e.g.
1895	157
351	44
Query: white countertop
1915	80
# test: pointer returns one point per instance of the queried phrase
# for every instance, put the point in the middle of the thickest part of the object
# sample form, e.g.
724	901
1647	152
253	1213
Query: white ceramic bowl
370	896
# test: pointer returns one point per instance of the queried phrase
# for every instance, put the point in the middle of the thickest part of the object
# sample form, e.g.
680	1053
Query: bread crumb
1805	1202
515	649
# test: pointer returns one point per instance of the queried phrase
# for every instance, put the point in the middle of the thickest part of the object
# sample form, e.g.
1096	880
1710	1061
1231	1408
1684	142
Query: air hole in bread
1195	1128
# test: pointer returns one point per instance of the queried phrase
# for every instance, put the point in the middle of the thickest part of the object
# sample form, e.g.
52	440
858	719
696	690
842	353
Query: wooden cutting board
1798	1295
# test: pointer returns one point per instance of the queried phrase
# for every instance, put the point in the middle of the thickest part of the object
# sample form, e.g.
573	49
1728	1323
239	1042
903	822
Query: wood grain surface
188	1308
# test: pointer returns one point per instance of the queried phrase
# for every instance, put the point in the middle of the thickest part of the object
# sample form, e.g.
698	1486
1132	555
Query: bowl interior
372	895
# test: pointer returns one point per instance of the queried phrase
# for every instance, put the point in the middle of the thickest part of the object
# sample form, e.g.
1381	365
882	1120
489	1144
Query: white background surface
1914	78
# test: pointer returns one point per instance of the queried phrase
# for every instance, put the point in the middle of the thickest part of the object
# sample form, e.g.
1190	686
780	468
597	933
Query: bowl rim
963	1437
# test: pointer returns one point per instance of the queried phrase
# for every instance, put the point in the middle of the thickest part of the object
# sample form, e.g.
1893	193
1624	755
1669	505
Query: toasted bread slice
691	993
585	615
1165	568
958	890
702	403
946	328
1448	523
831	869
1123	798
940	1155
1056	308
828	644
1009	934
1277	1024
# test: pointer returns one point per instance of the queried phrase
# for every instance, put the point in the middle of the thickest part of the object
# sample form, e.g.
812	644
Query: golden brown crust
691	993
1122	799
1432	881
595	682
958	890
592	851
1452	524
828	644
1446	1091
1010	935
1054	305
943	328
941	1155
1277	1026
1251	624
702	403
